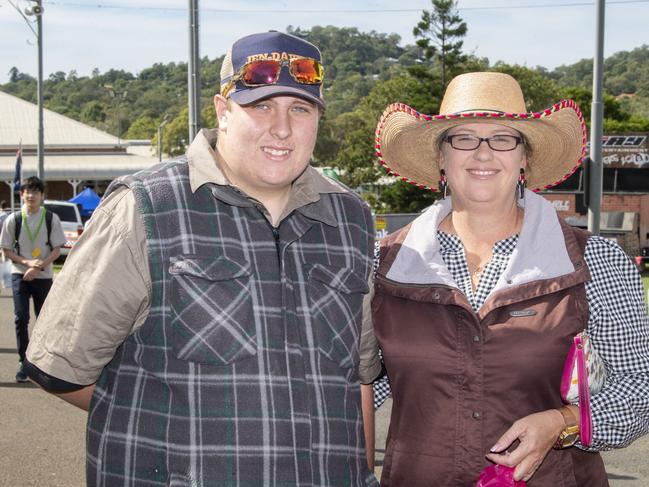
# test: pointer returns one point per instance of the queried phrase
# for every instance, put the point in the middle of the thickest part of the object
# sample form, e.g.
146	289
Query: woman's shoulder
598	247
606	259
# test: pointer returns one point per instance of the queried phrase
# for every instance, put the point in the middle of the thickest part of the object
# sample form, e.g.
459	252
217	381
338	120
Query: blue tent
88	200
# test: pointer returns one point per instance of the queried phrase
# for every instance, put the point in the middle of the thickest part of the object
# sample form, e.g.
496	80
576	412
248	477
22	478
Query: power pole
596	169
193	72
37	11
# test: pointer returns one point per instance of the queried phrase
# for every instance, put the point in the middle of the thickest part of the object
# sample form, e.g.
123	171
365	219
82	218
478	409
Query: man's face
32	199
268	144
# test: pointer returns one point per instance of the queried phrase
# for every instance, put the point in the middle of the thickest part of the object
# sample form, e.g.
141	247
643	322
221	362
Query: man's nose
281	125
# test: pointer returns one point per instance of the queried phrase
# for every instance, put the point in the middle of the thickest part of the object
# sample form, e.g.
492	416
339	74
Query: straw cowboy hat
407	141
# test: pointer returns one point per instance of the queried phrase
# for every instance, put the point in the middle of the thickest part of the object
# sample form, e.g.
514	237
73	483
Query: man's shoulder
157	173
153	172
11	217
327	185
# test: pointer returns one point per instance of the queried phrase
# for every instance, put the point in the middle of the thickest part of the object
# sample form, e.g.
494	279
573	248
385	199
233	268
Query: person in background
4	212
32	239
209	317
476	302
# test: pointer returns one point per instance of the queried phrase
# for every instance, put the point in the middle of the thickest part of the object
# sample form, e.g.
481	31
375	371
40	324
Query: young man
38	245
213	307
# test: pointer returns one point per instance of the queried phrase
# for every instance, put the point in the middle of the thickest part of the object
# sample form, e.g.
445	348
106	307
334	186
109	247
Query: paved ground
42	438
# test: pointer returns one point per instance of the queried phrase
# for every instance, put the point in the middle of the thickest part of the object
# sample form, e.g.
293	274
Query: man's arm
19	259
75	394
367	402
80	398
100	297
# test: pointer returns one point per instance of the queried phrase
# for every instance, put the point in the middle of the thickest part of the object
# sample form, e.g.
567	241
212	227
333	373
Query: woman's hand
537	434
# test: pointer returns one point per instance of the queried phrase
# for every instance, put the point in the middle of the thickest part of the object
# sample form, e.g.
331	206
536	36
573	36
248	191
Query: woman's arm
619	330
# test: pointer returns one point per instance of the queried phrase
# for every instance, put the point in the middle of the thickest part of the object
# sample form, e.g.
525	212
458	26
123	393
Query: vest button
476	338
476	415
436	296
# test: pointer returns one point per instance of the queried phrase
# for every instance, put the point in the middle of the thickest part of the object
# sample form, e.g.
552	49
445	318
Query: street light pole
596	168
193	72
38	11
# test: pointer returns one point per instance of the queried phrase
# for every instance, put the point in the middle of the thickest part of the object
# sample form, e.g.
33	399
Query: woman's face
482	175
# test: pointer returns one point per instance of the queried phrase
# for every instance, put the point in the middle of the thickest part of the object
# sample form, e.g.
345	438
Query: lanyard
32	236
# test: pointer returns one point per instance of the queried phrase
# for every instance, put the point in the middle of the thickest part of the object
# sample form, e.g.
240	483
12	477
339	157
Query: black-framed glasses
500	143
304	70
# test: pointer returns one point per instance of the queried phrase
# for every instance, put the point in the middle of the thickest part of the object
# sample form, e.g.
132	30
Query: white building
75	154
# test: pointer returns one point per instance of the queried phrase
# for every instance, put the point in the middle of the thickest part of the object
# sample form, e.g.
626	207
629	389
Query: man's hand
31	274
537	434
34	263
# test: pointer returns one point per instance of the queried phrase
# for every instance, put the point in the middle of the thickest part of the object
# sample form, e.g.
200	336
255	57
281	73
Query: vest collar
538	254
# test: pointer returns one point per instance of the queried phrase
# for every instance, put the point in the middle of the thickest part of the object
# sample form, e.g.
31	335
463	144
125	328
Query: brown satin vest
460	379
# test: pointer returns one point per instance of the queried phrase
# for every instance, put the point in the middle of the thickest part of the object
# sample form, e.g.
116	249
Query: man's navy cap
269	45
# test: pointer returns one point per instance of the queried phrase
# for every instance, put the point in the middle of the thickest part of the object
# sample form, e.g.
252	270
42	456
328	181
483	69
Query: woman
476	302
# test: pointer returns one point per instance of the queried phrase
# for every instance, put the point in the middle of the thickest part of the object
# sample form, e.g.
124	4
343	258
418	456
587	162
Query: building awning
62	167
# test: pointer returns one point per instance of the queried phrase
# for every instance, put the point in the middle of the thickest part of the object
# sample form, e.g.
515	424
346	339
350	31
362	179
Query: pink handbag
583	375
498	476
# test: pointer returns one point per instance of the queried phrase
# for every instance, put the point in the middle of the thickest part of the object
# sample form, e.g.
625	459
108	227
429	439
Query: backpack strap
18	224
48	226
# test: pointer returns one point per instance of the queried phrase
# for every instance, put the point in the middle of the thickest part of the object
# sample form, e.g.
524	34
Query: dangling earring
521	184
442	185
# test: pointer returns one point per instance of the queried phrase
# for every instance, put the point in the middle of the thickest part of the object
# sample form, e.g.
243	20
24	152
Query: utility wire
29	24
333	11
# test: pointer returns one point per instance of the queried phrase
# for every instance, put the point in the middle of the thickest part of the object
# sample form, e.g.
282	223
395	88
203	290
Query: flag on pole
18	175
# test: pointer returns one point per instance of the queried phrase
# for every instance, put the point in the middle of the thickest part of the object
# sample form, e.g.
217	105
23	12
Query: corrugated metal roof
61	167
19	121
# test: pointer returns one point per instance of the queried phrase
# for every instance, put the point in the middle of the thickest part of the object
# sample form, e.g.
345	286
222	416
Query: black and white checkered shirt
618	327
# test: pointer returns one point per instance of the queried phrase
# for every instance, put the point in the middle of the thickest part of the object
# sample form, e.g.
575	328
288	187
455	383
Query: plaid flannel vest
245	370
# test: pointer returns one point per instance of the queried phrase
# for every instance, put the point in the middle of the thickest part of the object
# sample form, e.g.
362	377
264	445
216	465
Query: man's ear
221	107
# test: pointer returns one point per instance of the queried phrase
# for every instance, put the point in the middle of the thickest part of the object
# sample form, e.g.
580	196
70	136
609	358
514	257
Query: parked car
71	222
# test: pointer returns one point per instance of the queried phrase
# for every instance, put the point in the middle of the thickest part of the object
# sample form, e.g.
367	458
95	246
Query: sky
134	34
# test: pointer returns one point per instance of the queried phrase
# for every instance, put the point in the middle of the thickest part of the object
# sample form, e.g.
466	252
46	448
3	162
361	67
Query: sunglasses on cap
304	70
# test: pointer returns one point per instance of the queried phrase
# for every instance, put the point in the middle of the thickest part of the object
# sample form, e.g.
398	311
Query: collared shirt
86	323
618	323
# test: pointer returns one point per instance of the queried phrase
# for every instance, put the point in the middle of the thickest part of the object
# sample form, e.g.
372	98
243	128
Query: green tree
93	112
356	156
402	197
143	127
439	34
538	89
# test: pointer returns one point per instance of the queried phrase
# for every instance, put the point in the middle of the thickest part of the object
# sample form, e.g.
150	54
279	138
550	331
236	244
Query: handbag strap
585	423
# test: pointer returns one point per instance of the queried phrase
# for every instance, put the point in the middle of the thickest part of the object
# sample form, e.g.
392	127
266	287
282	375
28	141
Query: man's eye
302	108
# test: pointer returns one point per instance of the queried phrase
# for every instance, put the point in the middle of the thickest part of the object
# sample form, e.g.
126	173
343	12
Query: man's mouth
276	152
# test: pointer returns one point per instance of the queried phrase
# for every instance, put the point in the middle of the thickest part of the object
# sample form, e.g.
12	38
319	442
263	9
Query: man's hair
33	183
3	204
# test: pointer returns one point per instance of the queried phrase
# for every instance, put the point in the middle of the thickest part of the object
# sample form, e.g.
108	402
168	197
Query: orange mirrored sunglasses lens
261	73
307	71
